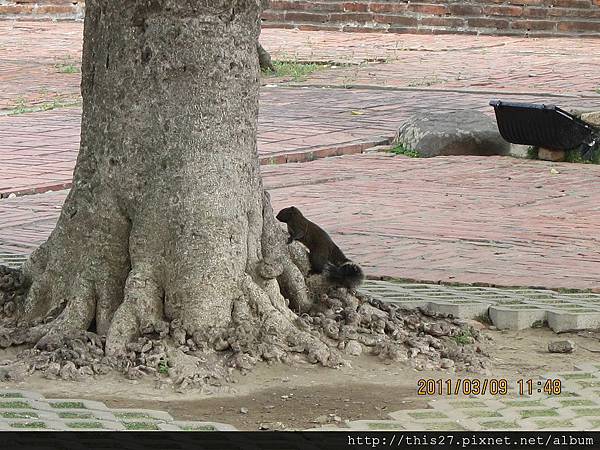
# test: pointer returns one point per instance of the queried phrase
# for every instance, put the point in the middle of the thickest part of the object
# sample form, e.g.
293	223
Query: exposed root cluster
340	325
357	324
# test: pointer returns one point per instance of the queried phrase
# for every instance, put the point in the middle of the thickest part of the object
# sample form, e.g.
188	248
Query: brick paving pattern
472	220
461	220
34	56
576	408
24	410
500	64
38	151
398	217
506	309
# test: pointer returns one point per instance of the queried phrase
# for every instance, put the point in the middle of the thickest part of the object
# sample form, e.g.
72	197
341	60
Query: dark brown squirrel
325	257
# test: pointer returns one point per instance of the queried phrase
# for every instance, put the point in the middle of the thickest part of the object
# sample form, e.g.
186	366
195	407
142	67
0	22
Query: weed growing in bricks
297	71
400	149
574	156
28	425
140	426
532	153
22	107
198	428
67	68
85	425
68	405
425	82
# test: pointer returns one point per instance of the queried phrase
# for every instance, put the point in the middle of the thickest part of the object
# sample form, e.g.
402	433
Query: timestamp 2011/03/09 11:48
492	386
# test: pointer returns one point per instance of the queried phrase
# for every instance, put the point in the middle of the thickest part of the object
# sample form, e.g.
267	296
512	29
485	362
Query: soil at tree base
373	387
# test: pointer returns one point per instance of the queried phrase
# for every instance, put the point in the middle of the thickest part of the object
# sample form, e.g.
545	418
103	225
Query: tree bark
165	221
167	245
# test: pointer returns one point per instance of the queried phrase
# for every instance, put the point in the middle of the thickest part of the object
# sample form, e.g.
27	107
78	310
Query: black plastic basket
545	126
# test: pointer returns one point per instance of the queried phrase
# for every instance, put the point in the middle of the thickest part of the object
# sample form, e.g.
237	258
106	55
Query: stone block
452	133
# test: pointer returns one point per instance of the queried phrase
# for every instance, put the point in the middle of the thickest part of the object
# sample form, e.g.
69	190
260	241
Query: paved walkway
576	408
471	220
25	410
562	67
38	151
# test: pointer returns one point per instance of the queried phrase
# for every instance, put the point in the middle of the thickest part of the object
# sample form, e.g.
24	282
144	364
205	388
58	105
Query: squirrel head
287	213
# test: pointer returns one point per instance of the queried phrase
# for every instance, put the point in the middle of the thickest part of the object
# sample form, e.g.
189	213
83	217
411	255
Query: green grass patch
11	395
73	415
297	71
424	82
400	149
522	403
198	428
443	426
484	318
385	426
29	425
163	367
532	153
463	338
67	68
474	413
84	425
553	423
22	107
19	415
15	404
427	415
499	424
468	404
140	426
133	415
577	376
526	413
578	402
587	412
68	405
574	156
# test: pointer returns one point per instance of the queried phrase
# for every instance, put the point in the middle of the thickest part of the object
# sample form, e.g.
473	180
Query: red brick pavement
38	150
471	220
502	64
32	52
31	57
489	220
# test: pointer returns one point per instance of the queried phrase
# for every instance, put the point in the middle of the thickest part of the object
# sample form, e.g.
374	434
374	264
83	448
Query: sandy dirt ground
305	396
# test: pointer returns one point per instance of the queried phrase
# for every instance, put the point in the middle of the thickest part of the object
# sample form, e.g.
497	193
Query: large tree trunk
167	244
167	222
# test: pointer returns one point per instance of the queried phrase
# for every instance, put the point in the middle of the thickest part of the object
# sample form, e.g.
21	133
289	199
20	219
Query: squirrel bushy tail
348	274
